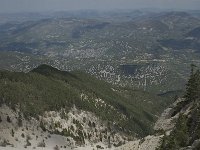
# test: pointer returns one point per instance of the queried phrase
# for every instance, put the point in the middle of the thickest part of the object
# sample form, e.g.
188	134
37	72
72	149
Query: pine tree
193	85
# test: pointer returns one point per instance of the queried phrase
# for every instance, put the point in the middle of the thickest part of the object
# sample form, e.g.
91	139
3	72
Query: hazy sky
56	5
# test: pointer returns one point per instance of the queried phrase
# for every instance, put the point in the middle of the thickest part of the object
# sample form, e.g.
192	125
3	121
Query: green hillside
46	88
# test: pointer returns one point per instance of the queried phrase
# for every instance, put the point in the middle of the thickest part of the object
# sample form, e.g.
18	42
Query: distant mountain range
159	46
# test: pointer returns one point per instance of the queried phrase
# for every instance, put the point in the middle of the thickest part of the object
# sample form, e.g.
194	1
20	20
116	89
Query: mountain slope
178	127
186	131
195	33
47	90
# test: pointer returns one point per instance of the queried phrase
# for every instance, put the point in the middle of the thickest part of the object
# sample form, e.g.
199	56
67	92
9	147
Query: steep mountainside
65	103
186	133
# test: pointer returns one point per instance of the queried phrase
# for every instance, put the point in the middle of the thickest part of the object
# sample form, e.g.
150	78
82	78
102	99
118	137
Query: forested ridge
46	88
